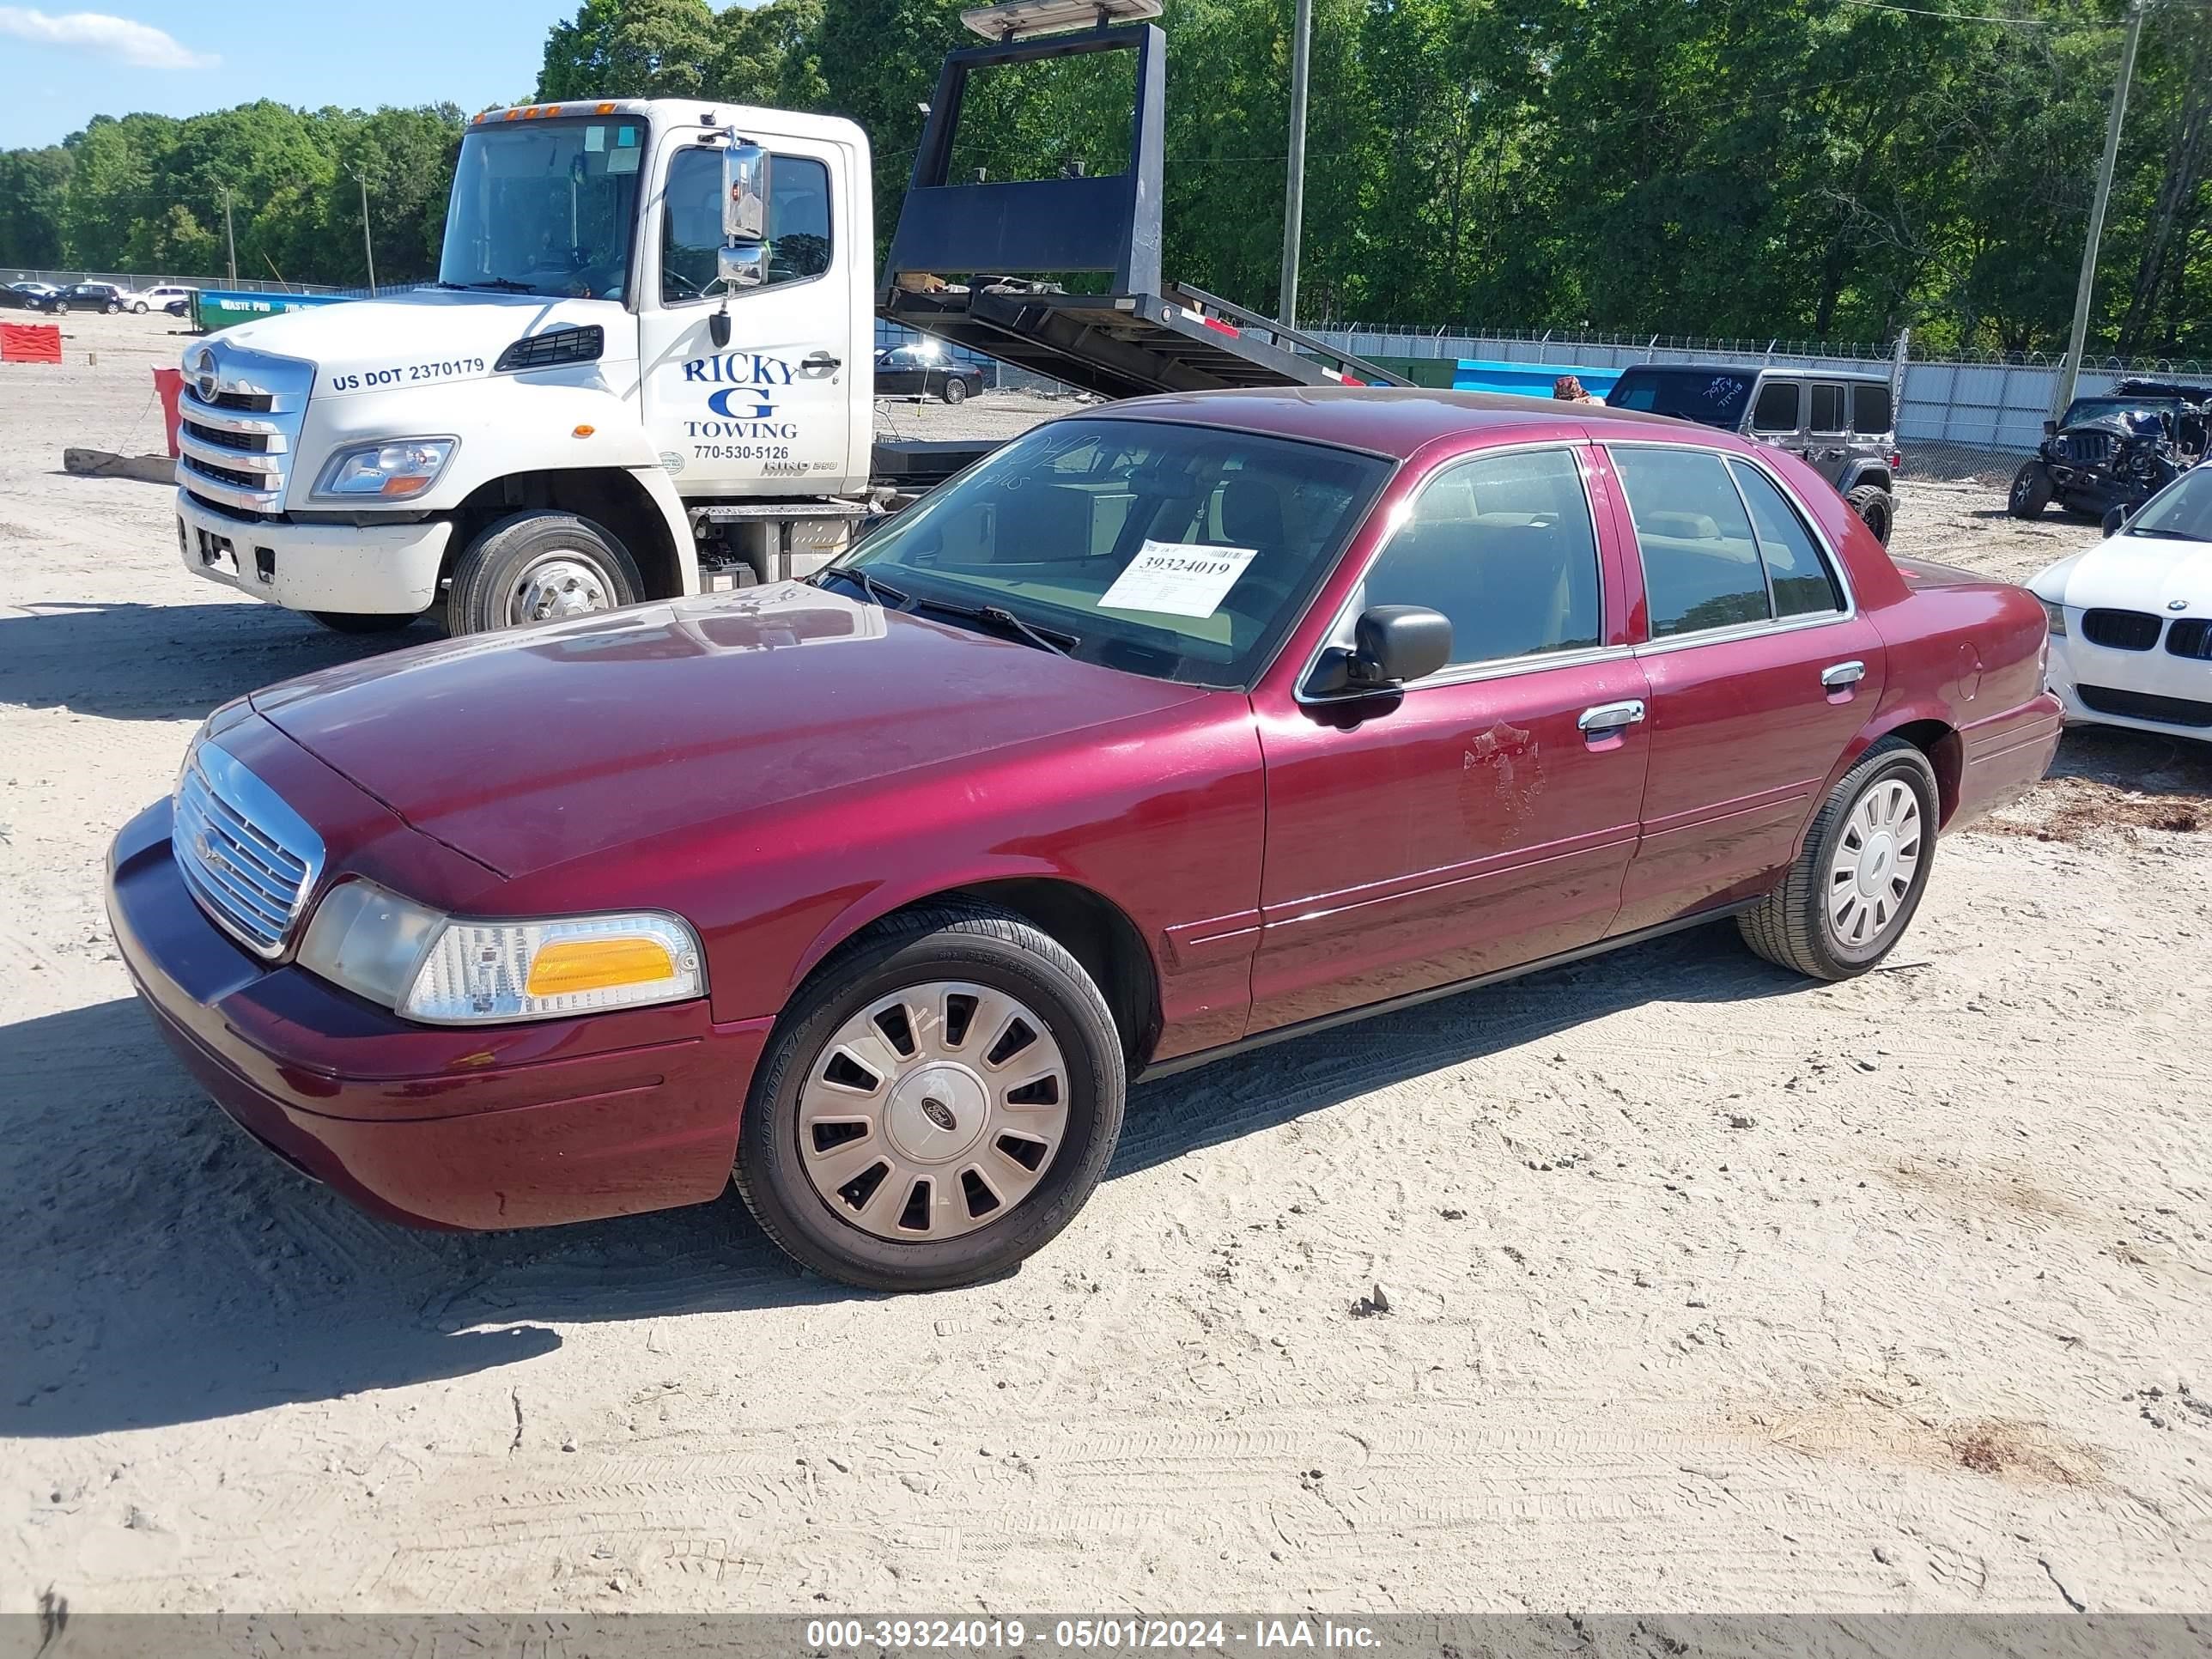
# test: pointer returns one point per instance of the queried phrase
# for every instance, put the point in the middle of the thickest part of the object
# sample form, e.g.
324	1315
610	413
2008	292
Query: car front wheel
936	1104
1851	892
139	309
539	567
2031	491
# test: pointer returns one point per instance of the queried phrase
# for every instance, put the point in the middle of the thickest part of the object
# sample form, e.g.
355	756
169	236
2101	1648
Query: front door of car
1485	816
1760	672
775	403
1777	414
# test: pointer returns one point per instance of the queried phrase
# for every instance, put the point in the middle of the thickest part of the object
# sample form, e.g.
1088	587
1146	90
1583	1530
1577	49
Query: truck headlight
445	970
392	470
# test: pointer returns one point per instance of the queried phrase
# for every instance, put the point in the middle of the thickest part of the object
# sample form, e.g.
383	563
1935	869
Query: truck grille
240	414
2084	448
2121	630
249	859
2142	706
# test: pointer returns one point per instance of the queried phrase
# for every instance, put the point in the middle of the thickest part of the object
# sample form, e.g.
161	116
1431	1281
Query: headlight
444	970
392	471
2057	614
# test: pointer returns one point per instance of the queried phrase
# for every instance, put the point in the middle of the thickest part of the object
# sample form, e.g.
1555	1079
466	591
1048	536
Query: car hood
454	336
533	746
2133	572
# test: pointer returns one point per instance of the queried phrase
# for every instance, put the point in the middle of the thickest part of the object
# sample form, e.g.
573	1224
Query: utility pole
367	247
2070	368
1294	199
229	237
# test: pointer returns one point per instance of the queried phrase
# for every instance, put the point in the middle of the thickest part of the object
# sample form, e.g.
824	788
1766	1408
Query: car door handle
1606	718
1840	674
818	363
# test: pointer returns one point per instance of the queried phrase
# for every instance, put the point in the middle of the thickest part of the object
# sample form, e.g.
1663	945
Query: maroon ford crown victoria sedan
1174	726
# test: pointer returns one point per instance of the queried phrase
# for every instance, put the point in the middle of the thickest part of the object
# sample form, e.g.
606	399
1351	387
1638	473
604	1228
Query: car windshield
1710	396
2103	409
2180	512
545	207
1178	552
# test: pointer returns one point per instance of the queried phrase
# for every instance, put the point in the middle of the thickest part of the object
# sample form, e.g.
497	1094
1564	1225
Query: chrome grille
249	859
241	412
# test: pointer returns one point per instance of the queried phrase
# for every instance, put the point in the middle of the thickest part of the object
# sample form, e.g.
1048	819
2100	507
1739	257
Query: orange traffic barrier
30	343
170	382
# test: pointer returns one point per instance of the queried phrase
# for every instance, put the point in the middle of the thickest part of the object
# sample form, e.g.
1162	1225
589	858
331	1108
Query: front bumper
486	1127
364	569
2154	673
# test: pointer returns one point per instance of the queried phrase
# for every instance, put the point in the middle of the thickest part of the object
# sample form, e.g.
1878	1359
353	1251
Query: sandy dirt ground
1708	1288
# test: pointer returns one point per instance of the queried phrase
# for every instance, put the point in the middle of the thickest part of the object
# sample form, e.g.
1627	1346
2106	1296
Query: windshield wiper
1058	641
502	284
882	592
2168	534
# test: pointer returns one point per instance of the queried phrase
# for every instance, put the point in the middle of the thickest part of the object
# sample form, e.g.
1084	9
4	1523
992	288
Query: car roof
1865	377
1395	421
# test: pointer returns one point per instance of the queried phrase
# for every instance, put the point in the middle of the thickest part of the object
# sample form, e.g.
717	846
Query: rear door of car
1761	672
1827	427
1486	817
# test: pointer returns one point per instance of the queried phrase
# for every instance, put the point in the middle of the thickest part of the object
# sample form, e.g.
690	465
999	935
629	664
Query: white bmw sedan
2131	617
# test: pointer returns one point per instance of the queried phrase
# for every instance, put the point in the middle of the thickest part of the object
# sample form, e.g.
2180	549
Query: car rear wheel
1876	509
937	1103
539	567
955	390
1852	891
2031	491
113	306
364	622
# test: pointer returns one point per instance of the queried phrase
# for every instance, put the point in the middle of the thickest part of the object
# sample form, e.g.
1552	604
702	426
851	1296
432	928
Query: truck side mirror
744	193
742	267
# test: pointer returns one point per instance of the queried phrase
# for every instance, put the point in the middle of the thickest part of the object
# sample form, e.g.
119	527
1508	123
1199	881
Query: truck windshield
1710	397
1177	552
545	207
2134	409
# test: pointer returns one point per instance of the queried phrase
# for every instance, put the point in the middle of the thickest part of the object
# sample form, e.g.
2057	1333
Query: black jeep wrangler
2113	449
1844	424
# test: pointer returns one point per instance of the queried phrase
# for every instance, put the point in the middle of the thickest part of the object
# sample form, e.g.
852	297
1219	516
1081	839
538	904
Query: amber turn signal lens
597	964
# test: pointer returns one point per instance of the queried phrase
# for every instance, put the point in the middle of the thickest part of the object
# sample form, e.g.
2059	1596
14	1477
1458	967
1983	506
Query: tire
954	390
138	310
1794	926
114	306
929	958
2031	491
579	567
1876	509
364	622
61	308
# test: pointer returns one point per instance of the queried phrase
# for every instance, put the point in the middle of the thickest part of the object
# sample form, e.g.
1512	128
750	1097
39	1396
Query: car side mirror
2051	428
2117	520
1392	646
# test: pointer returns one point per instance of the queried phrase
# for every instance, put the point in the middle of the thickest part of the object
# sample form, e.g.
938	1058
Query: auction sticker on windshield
1178	579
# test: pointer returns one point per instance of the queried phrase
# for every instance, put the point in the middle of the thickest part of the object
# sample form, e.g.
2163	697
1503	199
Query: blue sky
64	63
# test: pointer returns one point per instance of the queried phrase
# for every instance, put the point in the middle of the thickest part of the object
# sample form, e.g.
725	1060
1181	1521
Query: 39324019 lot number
445	368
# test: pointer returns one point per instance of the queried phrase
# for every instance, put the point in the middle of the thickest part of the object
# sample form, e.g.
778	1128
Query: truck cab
525	438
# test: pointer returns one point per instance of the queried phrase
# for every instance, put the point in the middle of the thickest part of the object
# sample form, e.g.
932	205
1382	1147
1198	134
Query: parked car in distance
2131	617
1178	725
164	296
14	299
96	296
1843	425
183	305
42	296
2112	451
924	371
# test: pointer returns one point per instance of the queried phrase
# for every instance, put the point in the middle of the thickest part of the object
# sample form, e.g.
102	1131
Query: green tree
630	49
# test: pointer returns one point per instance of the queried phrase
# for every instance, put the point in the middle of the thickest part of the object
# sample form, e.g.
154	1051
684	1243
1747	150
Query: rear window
1701	563
1870	410
1709	396
1827	408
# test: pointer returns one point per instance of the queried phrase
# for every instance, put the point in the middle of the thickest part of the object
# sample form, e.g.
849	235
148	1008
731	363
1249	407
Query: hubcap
934	1111
560	584
1874	864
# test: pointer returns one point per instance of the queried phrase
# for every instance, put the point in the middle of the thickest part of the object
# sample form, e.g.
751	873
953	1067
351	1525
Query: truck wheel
936	1104
364	622
538	567
1851	894
955	390
1876	509
2031	491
